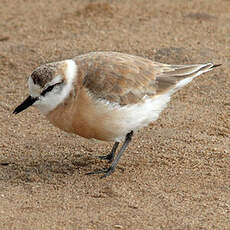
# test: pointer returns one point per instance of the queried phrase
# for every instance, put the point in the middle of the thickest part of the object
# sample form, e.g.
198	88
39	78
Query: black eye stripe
48	89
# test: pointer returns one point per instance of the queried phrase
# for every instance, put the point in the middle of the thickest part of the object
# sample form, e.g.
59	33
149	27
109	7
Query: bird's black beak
25	104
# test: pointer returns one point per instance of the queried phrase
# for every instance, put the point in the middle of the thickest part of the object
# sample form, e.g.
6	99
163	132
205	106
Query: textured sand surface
174	175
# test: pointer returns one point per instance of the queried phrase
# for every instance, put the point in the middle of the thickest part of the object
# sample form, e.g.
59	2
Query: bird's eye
48	89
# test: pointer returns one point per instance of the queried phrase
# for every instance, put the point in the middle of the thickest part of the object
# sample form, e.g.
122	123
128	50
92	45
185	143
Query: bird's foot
108	157
105	171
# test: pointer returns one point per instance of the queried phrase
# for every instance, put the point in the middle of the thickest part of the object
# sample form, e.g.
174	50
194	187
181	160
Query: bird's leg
111	169
111	155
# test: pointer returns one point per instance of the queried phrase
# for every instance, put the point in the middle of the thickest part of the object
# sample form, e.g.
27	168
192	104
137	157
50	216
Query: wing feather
126	79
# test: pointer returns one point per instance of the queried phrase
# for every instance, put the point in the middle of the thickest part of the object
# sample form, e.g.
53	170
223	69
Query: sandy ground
174	175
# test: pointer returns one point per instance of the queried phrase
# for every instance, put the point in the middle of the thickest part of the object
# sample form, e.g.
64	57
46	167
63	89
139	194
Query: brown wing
119	78
126	79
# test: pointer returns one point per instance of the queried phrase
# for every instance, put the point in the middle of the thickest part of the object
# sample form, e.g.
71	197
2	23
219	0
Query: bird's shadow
44	171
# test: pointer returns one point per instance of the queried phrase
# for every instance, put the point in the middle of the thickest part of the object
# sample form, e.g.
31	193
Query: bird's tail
177	76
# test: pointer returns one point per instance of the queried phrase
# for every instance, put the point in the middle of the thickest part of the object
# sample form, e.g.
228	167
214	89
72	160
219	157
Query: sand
175	173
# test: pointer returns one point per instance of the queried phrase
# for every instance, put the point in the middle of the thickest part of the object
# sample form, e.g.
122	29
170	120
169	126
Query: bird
106	95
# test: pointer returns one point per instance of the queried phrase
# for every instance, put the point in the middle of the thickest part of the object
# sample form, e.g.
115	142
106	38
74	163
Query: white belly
134	117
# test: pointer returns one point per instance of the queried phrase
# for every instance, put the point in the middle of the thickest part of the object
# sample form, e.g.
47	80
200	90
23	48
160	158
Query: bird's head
49	85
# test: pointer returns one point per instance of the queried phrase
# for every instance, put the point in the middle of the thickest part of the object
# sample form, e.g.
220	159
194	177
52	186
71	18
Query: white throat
57	96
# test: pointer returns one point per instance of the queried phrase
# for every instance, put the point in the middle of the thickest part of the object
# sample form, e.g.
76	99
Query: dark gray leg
111	169
111	155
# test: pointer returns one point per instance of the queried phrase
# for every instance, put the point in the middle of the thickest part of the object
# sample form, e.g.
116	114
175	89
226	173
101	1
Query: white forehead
34	90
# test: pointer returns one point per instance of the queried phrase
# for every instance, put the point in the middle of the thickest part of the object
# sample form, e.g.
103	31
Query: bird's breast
85	117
